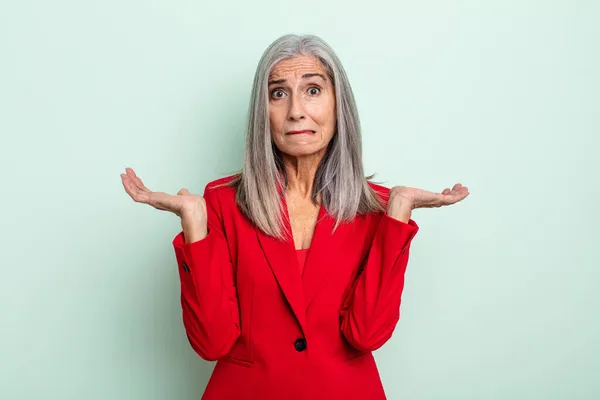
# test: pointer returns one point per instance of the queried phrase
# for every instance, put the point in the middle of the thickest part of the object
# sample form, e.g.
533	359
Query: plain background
501	298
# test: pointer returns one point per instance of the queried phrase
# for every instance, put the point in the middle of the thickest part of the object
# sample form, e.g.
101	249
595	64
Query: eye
277	93
313	91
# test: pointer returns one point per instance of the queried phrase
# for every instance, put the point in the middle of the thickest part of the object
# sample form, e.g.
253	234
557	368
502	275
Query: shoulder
215	184
380	190
221	187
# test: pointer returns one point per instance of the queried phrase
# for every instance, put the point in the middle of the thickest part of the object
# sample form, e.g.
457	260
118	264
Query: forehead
296	66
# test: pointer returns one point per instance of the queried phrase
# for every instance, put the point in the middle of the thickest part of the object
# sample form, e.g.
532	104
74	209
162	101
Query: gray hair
345	191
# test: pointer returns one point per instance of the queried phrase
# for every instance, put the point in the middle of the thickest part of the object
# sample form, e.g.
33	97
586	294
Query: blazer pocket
238	361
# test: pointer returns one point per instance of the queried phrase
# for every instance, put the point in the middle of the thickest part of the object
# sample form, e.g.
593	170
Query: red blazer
281	334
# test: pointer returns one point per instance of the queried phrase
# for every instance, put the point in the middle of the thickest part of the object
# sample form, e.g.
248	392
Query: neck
301	173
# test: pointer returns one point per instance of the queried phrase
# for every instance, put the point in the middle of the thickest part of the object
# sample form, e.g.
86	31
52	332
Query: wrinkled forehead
296	67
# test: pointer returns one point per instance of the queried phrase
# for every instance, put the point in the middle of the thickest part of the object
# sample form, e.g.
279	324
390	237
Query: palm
136	189
420	198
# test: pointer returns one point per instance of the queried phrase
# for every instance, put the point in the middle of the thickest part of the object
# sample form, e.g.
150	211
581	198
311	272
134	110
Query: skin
302	97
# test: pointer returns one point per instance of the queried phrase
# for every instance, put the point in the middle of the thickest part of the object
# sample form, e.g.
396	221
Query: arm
371	311
208	292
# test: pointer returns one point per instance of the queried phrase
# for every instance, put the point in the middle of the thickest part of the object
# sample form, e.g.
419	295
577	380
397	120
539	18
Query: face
301	106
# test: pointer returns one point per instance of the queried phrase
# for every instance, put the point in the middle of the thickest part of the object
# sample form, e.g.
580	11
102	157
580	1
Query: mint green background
502	294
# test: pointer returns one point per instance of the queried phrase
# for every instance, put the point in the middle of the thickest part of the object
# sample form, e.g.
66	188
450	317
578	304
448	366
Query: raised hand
419	198
403	199
189	207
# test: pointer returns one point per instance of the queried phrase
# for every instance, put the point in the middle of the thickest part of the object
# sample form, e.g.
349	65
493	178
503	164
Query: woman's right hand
189	207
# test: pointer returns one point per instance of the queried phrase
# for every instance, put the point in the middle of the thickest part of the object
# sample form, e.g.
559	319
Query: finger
184	192
129	186
141	196
137	194
136	180
460	194
463	191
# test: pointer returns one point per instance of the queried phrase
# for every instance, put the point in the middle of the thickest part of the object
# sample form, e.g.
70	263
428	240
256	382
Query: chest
267	273
303	220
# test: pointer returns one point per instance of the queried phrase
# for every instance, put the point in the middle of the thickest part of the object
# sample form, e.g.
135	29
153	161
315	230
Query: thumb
183	192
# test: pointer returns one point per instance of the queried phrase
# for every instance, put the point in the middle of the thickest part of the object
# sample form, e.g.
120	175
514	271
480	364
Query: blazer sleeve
371	309
208	290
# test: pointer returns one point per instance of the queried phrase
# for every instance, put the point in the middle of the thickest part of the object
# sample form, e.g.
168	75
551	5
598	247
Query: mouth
304	132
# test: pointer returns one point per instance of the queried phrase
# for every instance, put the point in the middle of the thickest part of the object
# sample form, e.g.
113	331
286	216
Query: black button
186	268
300	344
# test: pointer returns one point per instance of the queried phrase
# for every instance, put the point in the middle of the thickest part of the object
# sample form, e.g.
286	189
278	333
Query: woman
292	271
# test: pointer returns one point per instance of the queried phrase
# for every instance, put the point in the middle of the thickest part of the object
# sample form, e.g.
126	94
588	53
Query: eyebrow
305	76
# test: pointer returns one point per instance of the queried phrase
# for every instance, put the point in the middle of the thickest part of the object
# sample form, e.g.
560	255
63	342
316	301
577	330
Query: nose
296	112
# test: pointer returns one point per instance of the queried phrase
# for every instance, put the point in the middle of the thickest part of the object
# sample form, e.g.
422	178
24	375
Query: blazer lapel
281	257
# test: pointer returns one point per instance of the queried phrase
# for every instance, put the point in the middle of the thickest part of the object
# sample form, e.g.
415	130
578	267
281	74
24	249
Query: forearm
208	290
372	309
208	295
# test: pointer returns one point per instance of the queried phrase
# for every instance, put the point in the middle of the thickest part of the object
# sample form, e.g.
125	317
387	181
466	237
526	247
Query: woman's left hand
404	199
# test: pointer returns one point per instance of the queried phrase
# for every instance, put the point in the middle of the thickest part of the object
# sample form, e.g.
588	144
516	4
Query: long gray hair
344	189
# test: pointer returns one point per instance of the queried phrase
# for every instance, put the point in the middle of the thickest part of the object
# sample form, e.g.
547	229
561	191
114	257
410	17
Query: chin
307	151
